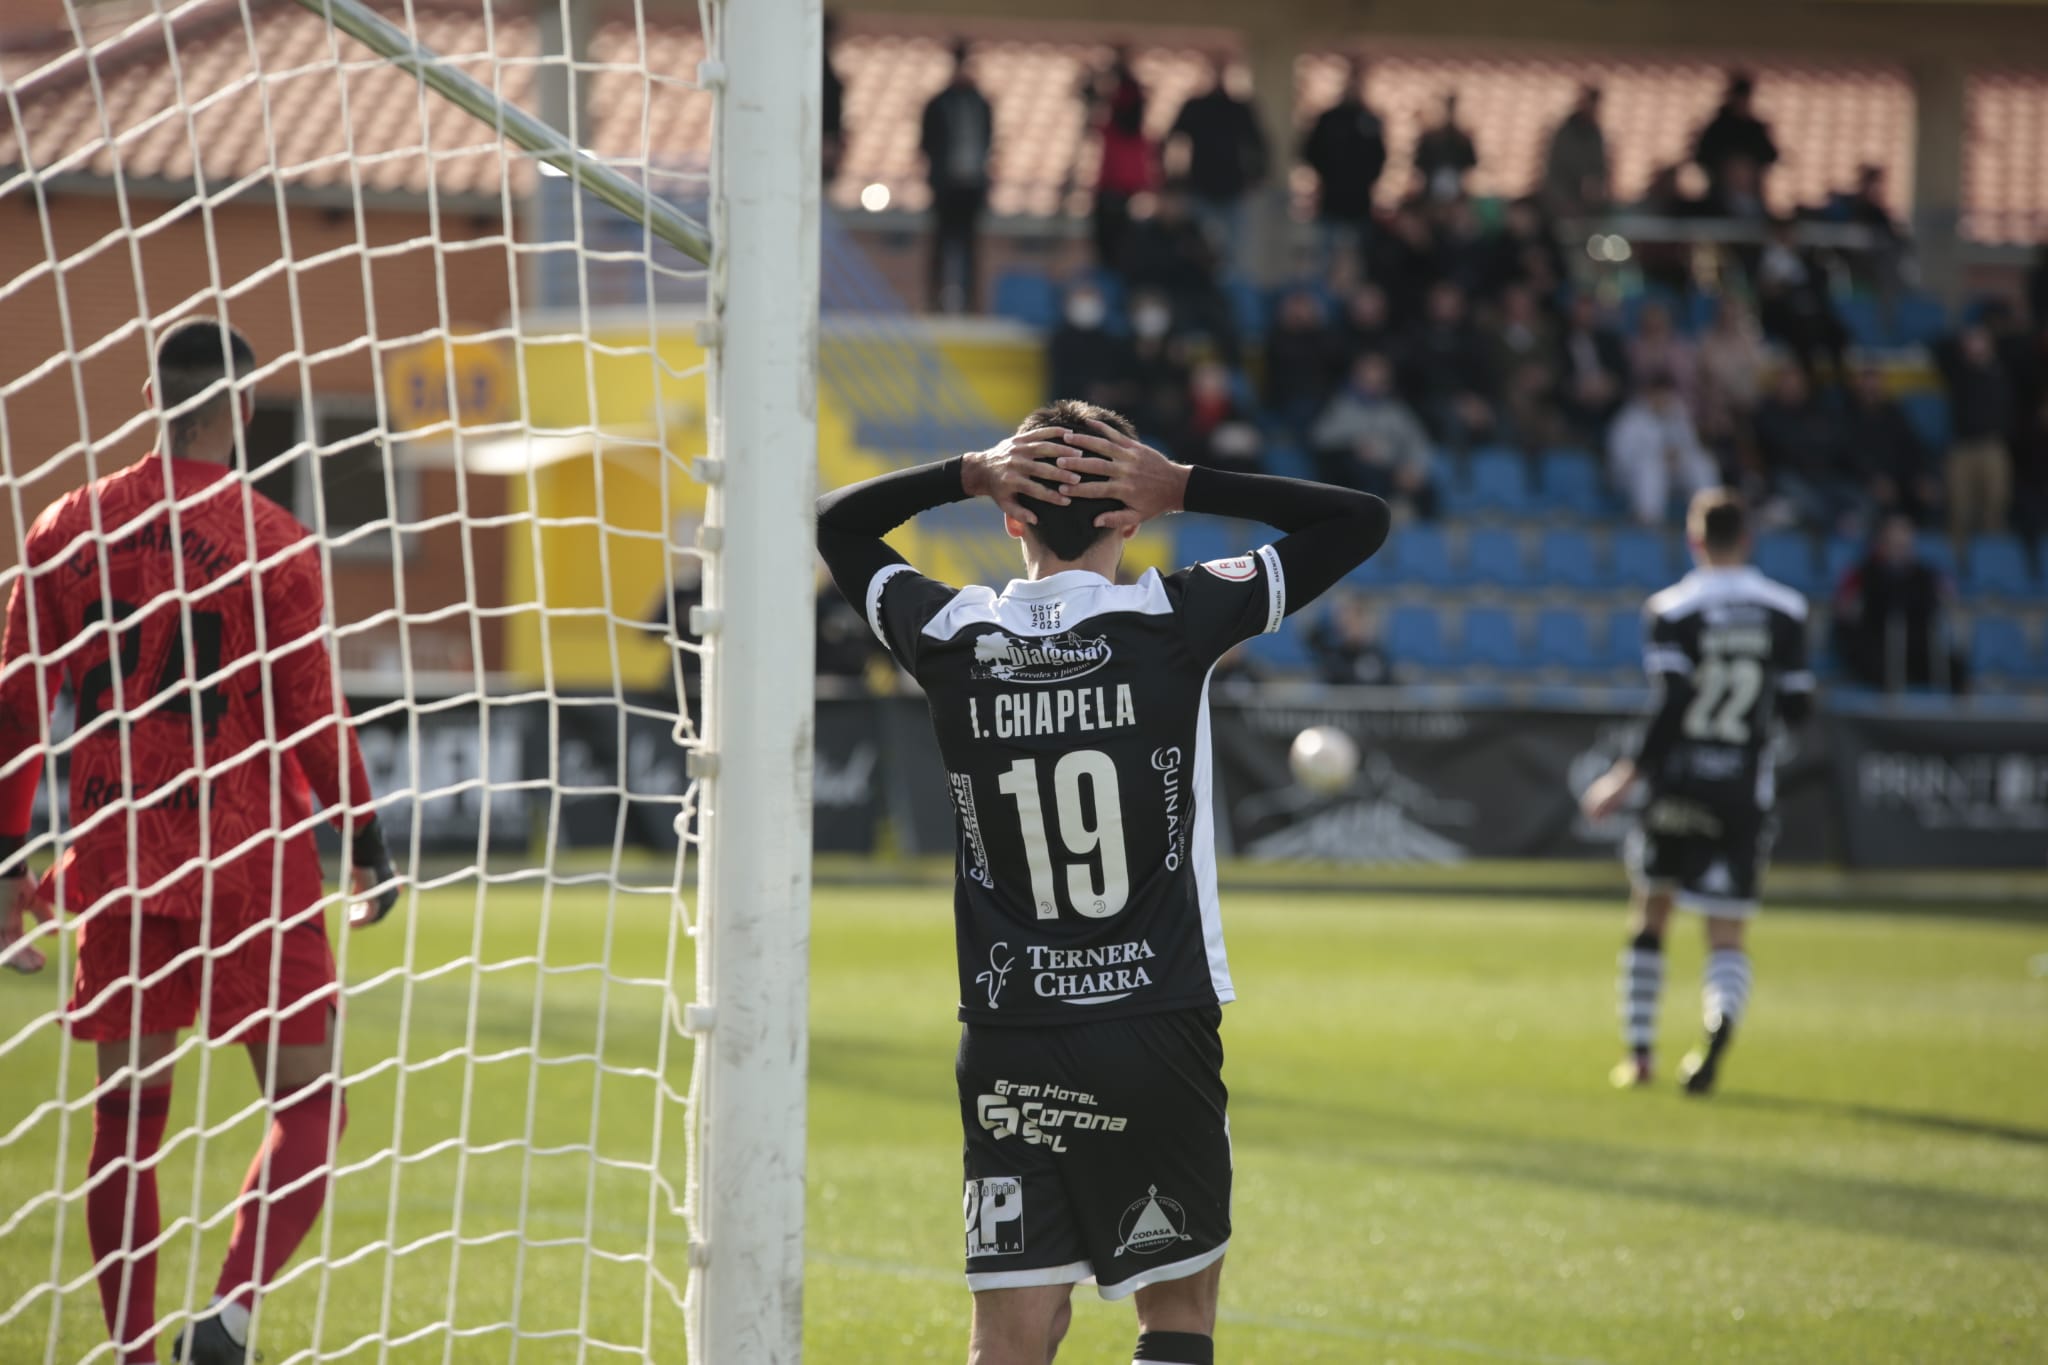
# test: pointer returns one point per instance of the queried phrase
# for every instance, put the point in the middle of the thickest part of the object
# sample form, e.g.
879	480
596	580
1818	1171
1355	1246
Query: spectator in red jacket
1129	164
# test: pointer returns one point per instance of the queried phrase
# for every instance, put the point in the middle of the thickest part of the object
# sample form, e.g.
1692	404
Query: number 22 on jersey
1099	843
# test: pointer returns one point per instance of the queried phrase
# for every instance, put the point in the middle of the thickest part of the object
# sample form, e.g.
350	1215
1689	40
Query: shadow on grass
2009	1224
1901	1118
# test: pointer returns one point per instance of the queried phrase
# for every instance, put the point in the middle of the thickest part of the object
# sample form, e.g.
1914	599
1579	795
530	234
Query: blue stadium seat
1422	555
1562	640
1928	412
1641	558
1918	319
1285	649
1493	555
1935	549
1569	481
1247	306
1498	481
1028	297
1997	566
1998	648
1489	638
1200	538
1624	642
1289	461
1415	636
1862	319
1565	559
1788	557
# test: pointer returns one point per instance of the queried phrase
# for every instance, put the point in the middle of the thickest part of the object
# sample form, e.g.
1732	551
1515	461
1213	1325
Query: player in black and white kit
1072	714
1726	647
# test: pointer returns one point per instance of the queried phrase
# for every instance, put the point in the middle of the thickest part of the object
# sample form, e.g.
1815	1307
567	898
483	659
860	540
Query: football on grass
1324	759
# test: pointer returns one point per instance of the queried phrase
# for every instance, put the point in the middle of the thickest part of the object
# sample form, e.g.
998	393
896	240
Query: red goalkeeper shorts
260	975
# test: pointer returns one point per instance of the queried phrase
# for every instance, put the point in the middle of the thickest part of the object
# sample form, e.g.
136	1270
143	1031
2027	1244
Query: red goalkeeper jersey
202	741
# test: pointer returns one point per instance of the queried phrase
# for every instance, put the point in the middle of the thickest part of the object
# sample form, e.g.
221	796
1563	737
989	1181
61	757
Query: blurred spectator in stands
957	134
2037	288
1658	347
1347	149
831	105
1444	154
1219	433
1876	268
1303	362
1792	295
2030	481
1594	367
845	646
1084	359
1160	377
1237	674
1365	325
1129	163
1345	643
1367	438
1444	371
1524	356
1667	264
1732	365
1167	252
1809	472
1890	628
1406	260
1653	453
1526	237
1222	159
1575	171
1980	405
1899	477
1735	137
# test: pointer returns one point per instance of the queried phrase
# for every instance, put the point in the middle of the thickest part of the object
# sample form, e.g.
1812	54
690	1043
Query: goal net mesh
482	387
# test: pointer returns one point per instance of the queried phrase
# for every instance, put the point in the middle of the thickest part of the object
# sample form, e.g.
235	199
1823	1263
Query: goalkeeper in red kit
183	609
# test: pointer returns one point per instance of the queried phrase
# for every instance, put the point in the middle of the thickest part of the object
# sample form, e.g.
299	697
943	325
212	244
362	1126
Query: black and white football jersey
1072	714
1737	640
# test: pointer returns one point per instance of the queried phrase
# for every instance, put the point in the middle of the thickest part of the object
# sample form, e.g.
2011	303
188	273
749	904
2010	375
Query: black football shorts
1710	857
1095	1150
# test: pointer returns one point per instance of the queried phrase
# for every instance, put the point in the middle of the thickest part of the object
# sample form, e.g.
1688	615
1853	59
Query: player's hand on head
1019	468
1146	482
22	909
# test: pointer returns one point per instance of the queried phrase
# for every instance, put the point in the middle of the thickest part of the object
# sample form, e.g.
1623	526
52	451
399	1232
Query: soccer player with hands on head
1072	715
183	610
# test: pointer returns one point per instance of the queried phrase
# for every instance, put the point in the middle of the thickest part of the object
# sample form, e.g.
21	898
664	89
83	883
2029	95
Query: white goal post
720	265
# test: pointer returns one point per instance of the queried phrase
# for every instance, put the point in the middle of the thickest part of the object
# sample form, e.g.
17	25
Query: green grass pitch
1430	1166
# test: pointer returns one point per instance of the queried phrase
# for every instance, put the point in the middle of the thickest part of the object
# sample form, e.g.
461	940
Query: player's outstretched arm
1330	530
852	520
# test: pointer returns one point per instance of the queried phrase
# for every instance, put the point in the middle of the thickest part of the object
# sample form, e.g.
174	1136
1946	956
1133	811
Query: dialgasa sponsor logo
1056	658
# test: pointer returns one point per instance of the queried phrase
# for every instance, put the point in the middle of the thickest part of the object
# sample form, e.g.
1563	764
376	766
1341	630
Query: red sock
295	1149
108	1226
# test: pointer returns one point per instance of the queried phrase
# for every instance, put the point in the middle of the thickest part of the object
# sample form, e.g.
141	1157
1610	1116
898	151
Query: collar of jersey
1066	580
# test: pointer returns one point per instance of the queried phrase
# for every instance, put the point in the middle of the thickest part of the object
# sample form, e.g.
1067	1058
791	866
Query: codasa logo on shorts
1056	658
1151	1225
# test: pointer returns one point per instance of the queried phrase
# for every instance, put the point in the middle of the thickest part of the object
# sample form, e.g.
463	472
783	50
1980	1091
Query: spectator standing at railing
1406	258
1368	439
1084	359
1879	266
1806	464
956	137
1223	156
1653	452
1792	294
1735	135
2030	480
1366	325
1346	147
1593	367
1445	154
1980	404
1303	362
1732	366
1576	176
1897	474
1524	251
1167	252
1891	612
1345	643
1129	163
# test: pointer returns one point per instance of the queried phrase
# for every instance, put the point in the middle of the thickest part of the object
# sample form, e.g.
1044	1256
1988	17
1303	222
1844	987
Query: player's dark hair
1069	531
1717	519
192	357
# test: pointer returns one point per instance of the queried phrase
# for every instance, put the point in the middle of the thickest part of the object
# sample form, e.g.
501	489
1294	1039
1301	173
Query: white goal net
531	295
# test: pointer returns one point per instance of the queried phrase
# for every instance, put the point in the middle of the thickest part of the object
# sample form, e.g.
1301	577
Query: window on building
337	443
